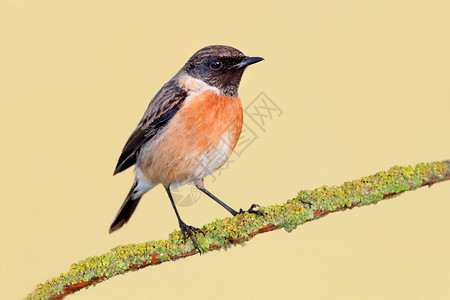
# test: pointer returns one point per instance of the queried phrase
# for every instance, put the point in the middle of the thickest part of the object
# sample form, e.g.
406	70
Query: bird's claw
252	210
190	230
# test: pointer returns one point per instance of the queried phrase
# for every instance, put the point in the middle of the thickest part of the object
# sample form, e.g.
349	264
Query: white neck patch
196	86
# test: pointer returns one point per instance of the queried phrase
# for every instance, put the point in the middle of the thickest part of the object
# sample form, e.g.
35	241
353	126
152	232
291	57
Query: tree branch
306	206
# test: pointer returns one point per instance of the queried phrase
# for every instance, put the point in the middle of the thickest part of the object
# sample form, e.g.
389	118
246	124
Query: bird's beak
247	61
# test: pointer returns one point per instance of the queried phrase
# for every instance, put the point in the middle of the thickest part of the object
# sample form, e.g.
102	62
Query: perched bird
188	131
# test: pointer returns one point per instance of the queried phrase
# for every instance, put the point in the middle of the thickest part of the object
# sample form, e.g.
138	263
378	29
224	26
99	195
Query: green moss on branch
306	206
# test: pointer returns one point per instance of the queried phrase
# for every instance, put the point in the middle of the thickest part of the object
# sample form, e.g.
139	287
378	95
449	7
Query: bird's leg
183	226
201	187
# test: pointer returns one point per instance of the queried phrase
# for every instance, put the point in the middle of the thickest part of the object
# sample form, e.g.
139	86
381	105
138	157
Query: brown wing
159	112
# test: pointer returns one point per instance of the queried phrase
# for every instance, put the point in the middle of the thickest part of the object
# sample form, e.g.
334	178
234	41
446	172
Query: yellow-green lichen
223	232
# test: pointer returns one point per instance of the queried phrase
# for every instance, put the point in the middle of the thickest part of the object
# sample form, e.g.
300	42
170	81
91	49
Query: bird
188	131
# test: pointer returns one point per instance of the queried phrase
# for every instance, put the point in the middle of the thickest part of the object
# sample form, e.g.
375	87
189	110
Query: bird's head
219	66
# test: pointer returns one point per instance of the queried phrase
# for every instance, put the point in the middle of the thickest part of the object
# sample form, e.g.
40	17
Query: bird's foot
188	230
306	203
251	210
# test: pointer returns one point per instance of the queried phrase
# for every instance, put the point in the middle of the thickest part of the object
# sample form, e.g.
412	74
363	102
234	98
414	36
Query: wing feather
159	112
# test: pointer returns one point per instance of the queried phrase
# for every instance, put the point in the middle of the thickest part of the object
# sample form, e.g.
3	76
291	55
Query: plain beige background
363	85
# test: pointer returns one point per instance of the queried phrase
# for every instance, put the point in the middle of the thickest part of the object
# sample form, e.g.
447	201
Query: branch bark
306	206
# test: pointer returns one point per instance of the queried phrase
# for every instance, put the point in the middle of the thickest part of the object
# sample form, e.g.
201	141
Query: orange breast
197	141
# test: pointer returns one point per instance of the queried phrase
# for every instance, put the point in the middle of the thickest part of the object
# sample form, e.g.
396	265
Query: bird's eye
216	64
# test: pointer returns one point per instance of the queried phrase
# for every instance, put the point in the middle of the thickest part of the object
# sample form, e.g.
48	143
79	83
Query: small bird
188	131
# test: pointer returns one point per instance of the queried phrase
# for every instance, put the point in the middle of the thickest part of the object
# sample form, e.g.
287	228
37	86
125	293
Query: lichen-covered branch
306	206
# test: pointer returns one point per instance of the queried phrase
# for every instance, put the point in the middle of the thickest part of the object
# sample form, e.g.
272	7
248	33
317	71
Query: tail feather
126	210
